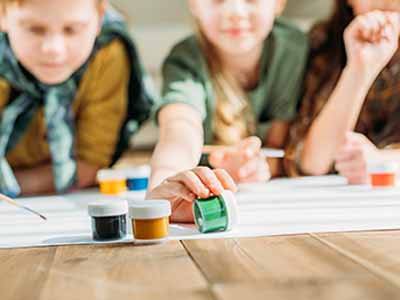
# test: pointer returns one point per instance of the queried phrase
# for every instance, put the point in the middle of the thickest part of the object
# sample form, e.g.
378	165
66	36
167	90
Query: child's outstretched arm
371	40
40	180
180	142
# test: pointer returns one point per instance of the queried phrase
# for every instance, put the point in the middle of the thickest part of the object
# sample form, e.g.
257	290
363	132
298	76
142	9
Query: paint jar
108	219
137	178
112	182
150	220
216	213
383	174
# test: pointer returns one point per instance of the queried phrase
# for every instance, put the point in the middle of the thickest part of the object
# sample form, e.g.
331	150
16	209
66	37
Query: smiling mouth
236	31
52	66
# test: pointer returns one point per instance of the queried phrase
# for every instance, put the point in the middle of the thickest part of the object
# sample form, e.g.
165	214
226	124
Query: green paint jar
218	213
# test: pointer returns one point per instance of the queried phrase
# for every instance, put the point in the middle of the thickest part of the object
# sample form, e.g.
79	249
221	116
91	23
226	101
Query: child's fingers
255	170
248	168
364	27
192	183
393	31
345	154
182	213
216	158
209	179
353	175
353	166
184	193
261	174
370	26
357	179
171	191
225	179
249	147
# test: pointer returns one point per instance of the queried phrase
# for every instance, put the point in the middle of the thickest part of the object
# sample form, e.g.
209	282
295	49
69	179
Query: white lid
108	208
110	174
137	172
232	209
383	167
149	209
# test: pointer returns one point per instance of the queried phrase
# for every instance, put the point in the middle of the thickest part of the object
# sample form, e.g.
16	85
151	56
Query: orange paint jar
111	182
150	220
383	174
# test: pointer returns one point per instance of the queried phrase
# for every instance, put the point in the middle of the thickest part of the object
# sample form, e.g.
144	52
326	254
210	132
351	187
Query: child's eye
70	30
37	30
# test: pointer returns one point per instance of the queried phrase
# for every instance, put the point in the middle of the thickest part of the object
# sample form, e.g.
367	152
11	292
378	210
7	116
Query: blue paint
137	184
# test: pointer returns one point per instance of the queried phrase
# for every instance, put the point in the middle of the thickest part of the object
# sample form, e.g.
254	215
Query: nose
54	46
236	10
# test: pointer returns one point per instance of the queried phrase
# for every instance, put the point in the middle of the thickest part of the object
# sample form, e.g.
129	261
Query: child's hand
182	189
245	163
371	41
352	159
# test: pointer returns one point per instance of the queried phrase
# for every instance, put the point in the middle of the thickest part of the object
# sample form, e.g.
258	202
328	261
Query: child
350	112
72	92
238	77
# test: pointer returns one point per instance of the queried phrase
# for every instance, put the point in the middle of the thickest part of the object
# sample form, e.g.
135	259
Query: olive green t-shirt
186	78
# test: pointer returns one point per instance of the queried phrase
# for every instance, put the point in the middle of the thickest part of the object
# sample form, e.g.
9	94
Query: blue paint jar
137	178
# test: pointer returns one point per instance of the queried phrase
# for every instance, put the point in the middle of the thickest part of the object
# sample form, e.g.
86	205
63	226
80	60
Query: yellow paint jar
111	182
150	220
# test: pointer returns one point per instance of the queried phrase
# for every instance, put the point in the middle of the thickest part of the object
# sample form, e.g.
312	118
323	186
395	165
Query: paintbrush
267	152
15	203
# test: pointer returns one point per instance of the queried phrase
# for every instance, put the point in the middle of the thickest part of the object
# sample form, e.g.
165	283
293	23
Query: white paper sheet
285	206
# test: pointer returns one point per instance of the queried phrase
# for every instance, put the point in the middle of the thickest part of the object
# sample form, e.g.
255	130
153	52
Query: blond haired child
236	82
72	91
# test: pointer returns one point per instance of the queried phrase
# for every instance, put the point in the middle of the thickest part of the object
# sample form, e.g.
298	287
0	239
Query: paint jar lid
383	167
108	208
137	172
149	209
110	174
232	208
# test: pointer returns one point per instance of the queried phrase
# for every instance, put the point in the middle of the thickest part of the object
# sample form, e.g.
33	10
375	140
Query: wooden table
323	266
313	266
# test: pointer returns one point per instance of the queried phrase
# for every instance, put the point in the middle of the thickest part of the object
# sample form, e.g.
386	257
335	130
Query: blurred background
157	25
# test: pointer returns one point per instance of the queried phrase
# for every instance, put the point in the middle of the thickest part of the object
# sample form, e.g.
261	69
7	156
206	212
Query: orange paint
383	173
113	187
150	220
155	229
383	180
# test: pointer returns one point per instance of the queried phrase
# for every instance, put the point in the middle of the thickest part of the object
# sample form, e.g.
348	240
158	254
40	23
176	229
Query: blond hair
4	3
234	119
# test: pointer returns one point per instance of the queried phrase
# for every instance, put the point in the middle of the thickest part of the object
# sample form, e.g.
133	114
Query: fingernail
218	187
242	173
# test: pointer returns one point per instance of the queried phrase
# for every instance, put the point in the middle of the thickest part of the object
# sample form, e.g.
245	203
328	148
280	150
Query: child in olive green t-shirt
236	82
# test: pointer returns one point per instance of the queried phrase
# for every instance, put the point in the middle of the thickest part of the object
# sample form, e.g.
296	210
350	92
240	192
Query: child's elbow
314	168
